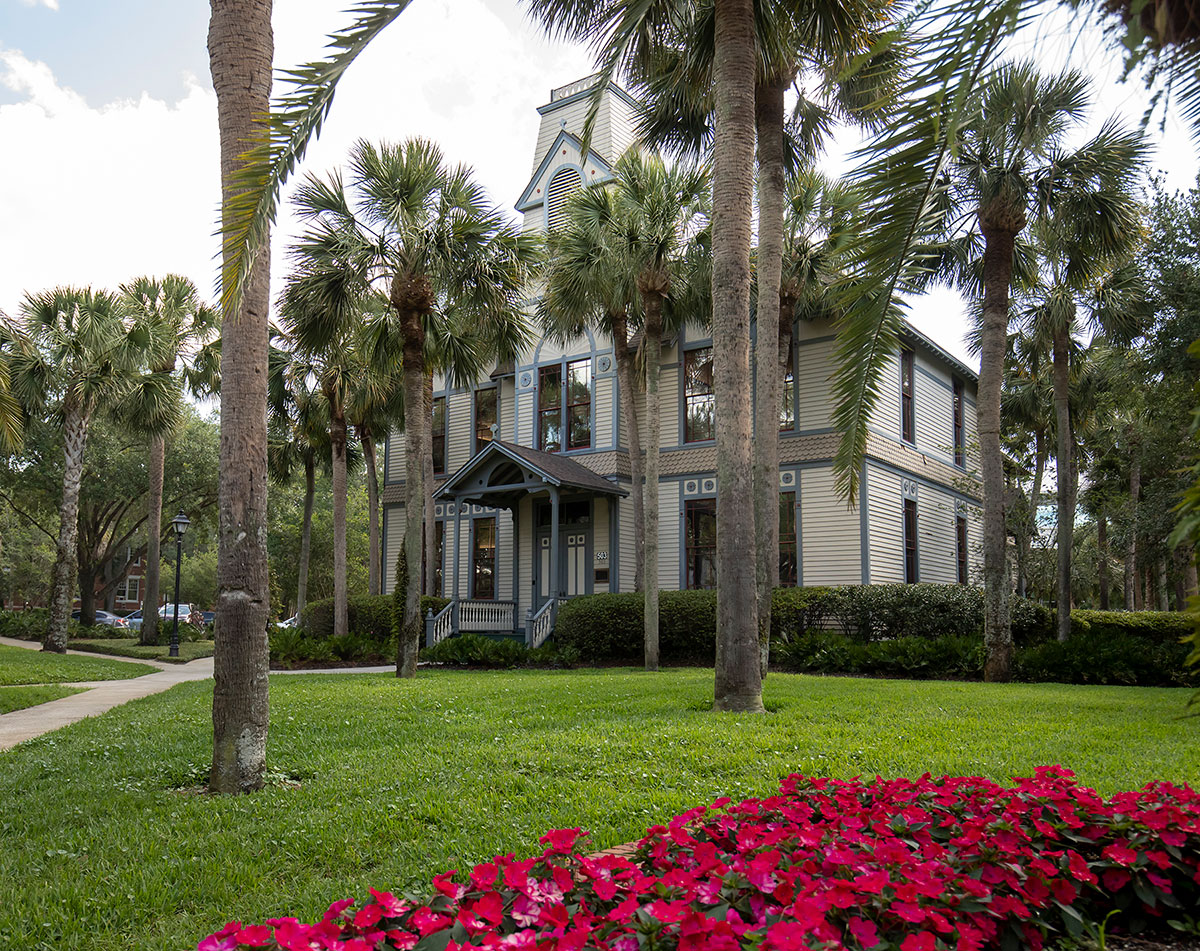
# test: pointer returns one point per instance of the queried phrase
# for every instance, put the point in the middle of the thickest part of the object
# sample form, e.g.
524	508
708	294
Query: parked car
134	620
290	622
103	617
167	612
208	616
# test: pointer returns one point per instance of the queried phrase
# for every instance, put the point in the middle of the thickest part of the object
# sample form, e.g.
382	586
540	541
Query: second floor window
485	417
960	455
565	404
907	427
787	410
439	435
699	408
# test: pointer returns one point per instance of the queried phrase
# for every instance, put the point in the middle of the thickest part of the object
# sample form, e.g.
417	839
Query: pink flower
1121	854
256	936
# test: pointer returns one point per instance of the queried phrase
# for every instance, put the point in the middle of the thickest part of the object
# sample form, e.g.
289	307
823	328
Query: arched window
566	181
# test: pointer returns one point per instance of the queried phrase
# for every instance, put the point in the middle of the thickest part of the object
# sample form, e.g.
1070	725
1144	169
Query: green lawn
20	665
129	647
18	698
401	780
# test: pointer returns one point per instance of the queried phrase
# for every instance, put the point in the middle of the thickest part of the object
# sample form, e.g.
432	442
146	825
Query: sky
108	135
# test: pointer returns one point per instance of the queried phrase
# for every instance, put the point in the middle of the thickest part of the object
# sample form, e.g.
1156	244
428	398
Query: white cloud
49	4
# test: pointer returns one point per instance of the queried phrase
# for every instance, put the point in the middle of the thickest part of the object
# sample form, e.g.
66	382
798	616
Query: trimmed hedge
370	639
367	615
1160	626
475	650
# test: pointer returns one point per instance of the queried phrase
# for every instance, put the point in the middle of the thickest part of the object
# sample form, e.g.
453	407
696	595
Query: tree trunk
241	46
310	491
430	513
1132	592
1064	460
1030	529
1191	588
738	678
405	290
628	398
768	391
337	439
86	578
652	304
997	276
1102	549
149	631
75	431
373	556
1160	588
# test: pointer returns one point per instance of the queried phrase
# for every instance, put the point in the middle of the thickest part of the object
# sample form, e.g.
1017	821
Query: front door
574	557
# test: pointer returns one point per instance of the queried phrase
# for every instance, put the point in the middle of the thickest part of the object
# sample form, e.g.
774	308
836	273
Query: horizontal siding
669	521
574	114
668	405
508	404
395	457
934	409
971	418
603	409
459	437
830	532
936	542
814	403
393	517
525	421
886	526
600	542
627	529
525	556
885	417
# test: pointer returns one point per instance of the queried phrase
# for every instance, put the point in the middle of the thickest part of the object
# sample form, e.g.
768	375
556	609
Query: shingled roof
550	467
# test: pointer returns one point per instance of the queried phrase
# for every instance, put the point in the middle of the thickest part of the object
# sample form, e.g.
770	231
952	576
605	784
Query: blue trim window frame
960	440
787	409
960	540
698	403
700	543
789	562
908	413
911	562
564	405
438	431
483	557
485	416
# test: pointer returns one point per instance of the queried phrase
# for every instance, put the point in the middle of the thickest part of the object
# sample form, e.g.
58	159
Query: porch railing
487	616
438	628
539	626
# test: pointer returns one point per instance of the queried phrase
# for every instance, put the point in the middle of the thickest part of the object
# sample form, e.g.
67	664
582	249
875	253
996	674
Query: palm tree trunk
738	678
653	308
1132	594
1102	549
310	491
1160	587
997	276
158	453
75	430
337	439
1064	460
628	398
241	47
373	557
430	522
1030	529
407	289
768	106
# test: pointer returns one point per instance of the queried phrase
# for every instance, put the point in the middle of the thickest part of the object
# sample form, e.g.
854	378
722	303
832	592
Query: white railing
437	629
486	616
562	92
542	624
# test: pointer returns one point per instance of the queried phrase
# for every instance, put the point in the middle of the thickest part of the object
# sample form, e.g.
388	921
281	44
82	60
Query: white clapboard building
532	465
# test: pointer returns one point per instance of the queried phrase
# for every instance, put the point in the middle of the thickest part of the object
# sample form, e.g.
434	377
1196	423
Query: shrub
1032	622
370	639
797	610
475	650
830	652
1167	627
367	615
1098	656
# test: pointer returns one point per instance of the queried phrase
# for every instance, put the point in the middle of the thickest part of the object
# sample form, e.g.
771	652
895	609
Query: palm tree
427	231
169	318
241	49
1010	168
72	356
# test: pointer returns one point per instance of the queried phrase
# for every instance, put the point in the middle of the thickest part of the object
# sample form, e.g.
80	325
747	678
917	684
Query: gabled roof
503	472
530	200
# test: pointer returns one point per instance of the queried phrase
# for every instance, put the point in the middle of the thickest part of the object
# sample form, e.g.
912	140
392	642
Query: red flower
1121	854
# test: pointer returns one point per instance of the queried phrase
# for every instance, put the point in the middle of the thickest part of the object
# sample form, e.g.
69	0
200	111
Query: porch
561	527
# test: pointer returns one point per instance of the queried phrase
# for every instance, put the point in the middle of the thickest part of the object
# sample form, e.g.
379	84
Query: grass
20	665
129	647
400	780
18	698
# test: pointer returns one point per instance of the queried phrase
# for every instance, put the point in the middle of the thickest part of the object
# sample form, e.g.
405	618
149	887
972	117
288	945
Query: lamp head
180	523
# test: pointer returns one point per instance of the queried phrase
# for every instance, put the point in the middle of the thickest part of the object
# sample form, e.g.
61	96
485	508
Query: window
960	533
787	411
485	417
701	543
550	409
574	399
128	590
959	436
910	541
579	404
699	419
789	563
483	559
906	396
438	424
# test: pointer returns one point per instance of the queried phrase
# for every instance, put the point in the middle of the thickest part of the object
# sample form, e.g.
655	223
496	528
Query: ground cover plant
18	698
822	864
105	844
129	647
20	665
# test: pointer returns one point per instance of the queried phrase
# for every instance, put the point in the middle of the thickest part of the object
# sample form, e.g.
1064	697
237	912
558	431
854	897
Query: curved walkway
101	696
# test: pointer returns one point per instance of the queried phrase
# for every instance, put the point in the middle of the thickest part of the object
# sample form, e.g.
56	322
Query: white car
290	622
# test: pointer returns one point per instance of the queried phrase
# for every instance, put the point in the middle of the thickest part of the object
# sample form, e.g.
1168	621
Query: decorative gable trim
530	199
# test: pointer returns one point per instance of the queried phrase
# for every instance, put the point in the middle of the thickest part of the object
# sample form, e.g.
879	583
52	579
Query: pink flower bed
950	863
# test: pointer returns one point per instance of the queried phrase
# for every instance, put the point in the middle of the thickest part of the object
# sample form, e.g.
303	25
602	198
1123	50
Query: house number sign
601	556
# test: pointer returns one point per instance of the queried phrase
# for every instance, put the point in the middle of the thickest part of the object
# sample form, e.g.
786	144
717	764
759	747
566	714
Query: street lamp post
180	523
